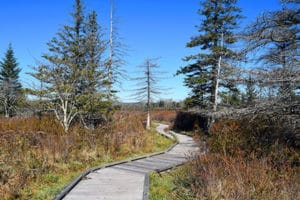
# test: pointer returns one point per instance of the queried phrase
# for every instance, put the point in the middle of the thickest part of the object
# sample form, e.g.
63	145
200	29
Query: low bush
263	136
217	176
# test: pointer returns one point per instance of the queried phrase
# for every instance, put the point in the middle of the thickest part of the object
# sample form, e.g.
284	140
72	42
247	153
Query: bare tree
147	87
276	36
115	60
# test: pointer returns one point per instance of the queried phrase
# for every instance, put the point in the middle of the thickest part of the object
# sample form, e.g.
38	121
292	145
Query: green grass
161	186
169	185
160	142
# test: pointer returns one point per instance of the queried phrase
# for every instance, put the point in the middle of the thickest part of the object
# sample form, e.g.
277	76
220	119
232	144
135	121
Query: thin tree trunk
148	120
109	68
148	97
6	113
218	78
217	85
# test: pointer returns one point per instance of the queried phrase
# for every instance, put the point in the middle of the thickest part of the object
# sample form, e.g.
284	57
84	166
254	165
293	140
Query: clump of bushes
250	158
263	136
216	176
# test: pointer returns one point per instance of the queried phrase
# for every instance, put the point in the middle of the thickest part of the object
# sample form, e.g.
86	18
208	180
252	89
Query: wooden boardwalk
129	180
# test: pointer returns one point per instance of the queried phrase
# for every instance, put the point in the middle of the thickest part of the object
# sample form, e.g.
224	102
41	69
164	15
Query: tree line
76	76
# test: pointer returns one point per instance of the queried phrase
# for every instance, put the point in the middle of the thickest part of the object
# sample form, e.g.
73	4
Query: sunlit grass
162	185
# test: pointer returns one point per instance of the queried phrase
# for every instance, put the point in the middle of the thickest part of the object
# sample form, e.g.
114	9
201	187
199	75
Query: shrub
263	136
217	176
250	158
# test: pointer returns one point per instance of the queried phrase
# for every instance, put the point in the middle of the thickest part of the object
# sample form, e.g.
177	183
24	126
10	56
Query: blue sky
149	29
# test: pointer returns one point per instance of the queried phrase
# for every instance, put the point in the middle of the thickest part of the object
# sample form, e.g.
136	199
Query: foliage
73	69
161	185
92	101
165	116
215	39
265	136
10	86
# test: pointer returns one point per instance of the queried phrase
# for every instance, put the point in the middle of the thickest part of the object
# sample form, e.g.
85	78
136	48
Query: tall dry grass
34	148
217	176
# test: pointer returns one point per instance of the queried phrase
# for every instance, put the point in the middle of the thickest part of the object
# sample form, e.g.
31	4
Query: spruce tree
216	36
94	103
10	87
71	71
251	92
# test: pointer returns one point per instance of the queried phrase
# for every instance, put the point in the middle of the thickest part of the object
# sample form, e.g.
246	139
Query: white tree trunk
65	113
217	84
148	121
6	113
218	76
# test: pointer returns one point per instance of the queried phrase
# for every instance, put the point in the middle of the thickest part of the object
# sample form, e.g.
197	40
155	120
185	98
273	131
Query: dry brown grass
249	159
32	148
167	116
217	176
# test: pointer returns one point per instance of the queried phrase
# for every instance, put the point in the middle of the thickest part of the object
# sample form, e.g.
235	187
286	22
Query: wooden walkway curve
129	180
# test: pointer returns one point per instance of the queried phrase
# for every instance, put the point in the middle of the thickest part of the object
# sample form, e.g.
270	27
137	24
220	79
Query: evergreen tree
71	71
251	92
10	87
215	39
93	99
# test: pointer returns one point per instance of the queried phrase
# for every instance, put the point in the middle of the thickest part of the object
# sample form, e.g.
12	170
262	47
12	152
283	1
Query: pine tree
215	39
71	70
10	87
251	92
93	98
